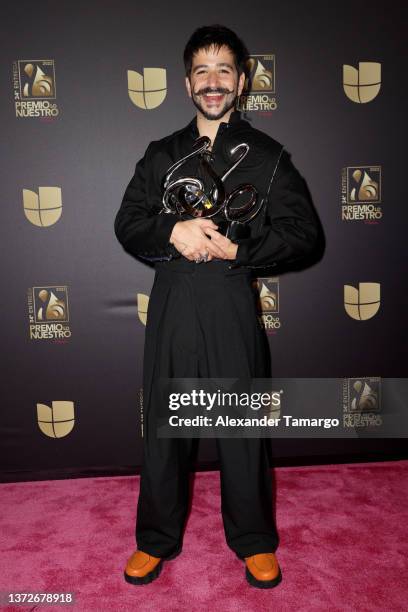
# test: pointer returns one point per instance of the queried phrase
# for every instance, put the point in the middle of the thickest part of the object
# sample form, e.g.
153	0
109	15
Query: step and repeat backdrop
85	88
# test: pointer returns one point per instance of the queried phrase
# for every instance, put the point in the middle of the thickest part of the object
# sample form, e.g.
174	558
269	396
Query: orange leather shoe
142	568
262	570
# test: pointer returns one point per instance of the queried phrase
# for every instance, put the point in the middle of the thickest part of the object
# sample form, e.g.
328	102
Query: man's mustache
207	90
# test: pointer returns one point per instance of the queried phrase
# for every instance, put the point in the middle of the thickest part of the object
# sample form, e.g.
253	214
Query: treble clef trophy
188	196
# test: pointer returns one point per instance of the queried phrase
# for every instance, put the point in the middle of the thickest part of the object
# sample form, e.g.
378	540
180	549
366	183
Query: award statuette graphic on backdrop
206	196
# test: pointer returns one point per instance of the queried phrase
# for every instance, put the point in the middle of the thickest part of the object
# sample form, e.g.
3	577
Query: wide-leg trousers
202	322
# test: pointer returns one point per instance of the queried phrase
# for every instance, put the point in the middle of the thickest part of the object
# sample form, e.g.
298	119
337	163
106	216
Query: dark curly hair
215	35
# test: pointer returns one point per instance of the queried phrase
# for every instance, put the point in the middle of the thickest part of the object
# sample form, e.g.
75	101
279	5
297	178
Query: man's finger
218	238
205	222
214	249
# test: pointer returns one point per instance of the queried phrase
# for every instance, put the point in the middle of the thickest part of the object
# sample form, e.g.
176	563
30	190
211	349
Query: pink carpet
343	531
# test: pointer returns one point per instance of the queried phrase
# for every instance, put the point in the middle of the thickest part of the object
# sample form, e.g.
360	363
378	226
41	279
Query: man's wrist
172	239
232	250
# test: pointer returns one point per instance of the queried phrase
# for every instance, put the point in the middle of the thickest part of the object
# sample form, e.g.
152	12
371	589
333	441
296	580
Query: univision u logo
362	84
147	91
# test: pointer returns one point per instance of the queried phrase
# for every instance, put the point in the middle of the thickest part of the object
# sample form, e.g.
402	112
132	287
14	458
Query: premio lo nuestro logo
48	313
259	88
267	298
35	89
361	194
362	402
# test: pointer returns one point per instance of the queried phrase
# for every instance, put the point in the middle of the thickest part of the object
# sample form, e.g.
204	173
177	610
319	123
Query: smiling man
202	318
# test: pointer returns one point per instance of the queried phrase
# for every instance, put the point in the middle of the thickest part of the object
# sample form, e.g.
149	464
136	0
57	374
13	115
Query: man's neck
207	127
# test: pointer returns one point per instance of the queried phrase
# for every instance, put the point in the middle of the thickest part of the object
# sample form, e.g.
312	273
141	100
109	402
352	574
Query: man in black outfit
202	319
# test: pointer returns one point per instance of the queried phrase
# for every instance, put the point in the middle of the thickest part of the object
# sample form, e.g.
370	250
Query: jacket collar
235	117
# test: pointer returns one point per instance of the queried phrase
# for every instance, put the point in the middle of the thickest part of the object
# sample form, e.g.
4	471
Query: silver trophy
189	197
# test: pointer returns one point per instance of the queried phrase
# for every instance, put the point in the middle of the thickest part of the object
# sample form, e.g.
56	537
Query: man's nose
213	79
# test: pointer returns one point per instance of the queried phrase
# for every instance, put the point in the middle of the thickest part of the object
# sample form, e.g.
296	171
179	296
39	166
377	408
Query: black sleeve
290	228
138	226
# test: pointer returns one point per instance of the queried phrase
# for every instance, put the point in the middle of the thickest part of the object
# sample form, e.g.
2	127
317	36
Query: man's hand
191	239
230	248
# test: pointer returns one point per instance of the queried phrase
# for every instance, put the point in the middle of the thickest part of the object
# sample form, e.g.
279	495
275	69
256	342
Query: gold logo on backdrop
268	295
361	193
259	87
56	421
148	90
45	208
362	402
366	187
35	83
365	397
49	306
259	77
35	88
363	84
267	299
362	303
48	313
142	306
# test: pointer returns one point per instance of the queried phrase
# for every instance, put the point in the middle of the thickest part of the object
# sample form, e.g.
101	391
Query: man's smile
213	99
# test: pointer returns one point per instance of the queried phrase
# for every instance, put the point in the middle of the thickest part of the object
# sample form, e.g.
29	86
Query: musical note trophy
188	196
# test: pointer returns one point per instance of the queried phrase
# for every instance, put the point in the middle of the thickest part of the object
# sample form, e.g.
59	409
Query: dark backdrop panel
90	151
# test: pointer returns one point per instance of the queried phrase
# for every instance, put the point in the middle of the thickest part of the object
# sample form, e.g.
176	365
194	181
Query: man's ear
188	86
241	83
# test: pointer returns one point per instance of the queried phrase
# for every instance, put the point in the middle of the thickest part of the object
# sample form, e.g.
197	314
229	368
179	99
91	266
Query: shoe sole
262	584
153	574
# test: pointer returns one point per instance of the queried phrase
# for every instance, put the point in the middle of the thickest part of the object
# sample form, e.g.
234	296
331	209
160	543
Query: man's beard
228	104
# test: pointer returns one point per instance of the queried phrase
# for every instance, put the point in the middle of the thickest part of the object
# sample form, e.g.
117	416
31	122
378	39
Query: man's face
214	85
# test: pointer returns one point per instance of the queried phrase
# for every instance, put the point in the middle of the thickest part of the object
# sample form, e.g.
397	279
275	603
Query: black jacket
286	228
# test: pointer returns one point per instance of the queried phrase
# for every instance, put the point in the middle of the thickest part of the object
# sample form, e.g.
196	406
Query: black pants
202	322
